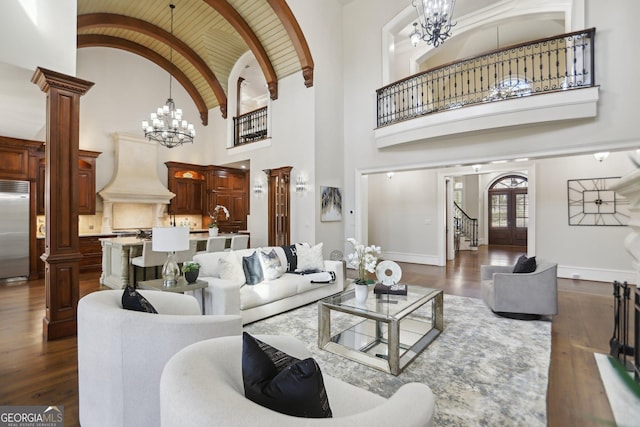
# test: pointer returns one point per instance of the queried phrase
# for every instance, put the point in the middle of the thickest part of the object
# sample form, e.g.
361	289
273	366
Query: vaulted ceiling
209	36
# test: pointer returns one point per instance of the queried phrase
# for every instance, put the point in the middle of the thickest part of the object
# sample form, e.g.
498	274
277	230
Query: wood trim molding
109	20
62	245
233	17
296	35
92	40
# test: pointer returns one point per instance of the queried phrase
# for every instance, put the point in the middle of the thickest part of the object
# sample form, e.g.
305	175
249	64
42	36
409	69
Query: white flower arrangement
214	216
363	259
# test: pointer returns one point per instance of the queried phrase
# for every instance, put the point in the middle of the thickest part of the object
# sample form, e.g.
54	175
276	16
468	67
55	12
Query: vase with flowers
364	259
213	223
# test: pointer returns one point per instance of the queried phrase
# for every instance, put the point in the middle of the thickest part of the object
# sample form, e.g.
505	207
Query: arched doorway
509	211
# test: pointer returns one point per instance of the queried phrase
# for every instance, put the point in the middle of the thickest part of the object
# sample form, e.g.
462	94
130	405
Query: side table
182	286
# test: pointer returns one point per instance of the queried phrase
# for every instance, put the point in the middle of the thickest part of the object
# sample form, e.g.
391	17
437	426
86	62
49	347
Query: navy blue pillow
252	269
525	265
133	300
282	383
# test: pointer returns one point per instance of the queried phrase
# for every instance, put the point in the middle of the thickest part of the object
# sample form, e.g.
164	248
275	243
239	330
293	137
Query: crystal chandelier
434	17
167	126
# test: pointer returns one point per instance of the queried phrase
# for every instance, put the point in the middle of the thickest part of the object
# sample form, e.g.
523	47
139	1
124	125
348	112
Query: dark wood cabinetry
230	188
90	248
279	202
188	183
86	183
199	189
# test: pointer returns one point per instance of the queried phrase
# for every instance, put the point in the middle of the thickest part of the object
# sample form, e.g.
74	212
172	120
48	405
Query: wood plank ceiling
209	36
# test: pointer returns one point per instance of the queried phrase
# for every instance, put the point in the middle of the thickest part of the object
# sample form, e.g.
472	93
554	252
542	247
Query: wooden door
509	211
279	200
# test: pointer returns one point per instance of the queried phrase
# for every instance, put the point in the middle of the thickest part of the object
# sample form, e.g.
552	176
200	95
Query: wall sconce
601	156
390	175
258	187
301	183
476	168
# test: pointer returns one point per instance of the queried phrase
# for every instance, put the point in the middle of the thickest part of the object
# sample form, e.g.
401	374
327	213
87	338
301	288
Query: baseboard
412	258
596	274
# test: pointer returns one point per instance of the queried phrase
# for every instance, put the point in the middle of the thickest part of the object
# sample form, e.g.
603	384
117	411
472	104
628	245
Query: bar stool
240	241
149	258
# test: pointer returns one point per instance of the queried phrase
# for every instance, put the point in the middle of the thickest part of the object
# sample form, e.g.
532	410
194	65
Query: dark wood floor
35	372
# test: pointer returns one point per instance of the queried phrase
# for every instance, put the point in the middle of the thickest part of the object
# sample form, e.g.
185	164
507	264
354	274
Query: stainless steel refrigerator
14	229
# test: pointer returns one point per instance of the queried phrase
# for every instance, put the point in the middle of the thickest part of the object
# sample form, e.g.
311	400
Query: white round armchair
121	353
202	386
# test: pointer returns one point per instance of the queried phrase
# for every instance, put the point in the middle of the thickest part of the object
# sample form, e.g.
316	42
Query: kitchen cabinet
188	183
14	157
86	183
229	187
90	248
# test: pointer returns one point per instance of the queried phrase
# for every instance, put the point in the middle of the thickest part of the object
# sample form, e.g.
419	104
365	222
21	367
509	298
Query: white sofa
202	386
255	302
121	353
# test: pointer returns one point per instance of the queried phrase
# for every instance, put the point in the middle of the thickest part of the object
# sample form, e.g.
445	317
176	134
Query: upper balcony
496	89
250	127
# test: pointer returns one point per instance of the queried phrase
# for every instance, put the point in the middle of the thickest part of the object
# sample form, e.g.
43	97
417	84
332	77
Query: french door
509	211
279	225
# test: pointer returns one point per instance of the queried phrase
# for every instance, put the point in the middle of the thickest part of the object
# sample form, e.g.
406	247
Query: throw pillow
230	269
291	253
252	269
310	259
282	383
525	265
271	266
133	300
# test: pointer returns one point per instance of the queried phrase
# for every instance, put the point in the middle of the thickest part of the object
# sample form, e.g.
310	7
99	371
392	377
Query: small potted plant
191	271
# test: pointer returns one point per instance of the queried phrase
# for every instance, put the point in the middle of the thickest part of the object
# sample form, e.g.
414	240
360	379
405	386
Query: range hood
135	181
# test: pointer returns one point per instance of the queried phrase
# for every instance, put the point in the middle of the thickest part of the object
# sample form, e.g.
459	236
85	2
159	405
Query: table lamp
170	240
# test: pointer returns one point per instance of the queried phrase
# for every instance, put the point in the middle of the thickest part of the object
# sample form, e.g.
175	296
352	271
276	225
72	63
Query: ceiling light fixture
601	156
434	17
167	126
476	168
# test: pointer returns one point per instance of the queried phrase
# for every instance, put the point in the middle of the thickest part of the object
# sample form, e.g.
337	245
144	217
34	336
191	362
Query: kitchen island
117	253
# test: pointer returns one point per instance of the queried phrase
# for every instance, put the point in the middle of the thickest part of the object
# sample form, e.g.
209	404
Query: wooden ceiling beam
233	17
296	35
96	40
109	20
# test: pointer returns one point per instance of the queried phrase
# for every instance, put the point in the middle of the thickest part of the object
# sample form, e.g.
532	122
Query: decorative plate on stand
388	273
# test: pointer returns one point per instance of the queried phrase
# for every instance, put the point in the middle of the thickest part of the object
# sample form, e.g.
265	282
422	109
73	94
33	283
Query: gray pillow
271	265
252	269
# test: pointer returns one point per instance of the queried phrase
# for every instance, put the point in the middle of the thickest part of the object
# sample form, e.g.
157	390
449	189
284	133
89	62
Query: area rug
484	370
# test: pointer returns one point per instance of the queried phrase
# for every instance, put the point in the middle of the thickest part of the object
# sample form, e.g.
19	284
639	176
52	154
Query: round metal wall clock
591	202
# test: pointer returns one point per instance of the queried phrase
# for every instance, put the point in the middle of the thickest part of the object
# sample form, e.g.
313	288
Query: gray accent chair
521	293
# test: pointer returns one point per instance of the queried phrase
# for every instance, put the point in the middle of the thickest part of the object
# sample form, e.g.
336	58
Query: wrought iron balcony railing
250	127
562	62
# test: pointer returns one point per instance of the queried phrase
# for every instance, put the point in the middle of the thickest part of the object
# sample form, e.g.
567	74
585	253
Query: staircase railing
558	63
465	225
250	127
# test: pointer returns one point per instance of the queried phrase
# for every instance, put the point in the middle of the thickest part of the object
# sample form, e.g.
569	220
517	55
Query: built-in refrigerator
14	229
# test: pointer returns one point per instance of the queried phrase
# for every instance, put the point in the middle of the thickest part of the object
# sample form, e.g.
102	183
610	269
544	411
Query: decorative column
629	187
62	245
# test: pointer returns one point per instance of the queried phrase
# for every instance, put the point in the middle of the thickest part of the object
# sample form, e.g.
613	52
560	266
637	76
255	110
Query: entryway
509	211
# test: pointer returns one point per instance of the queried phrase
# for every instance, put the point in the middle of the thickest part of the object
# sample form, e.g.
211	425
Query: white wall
321	22
403	215
39	33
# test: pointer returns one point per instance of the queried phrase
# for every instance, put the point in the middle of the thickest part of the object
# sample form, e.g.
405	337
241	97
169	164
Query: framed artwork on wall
592	202
331	204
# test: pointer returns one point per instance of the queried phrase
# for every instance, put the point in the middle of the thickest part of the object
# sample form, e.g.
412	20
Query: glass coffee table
385	332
